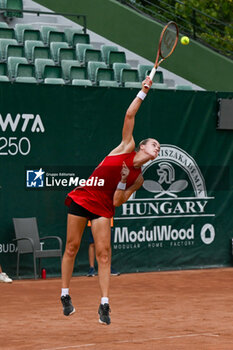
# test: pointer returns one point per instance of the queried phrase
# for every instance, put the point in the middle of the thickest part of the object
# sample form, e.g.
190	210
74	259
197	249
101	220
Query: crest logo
173	187
172	164
166	173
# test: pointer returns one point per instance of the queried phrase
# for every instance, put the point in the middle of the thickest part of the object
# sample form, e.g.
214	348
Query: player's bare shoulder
123	148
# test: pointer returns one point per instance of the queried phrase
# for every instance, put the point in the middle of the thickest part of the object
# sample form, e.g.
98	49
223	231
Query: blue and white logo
35	178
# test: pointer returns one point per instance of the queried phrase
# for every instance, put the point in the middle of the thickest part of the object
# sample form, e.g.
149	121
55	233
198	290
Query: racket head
167	44
168	39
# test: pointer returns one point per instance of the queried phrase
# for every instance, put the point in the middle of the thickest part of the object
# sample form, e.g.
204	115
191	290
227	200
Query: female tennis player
121	172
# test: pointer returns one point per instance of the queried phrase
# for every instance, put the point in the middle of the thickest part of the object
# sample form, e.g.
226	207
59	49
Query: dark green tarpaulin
183	220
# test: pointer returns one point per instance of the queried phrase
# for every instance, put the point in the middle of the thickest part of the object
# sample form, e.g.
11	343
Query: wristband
121	186
141	95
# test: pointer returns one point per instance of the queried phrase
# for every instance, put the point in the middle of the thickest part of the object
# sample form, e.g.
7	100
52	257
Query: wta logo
22	122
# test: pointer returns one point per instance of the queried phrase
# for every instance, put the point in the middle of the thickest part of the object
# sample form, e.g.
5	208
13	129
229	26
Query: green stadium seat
54	49
81	82
29	47
145	69
4	78
56	37
7	33
158	77
3	68
3	47
183	87
105	50
13	62
117	67
3	72
45	31
161	86
80	48
25	32
108	83
51	34
105	77
25	73
78	73
40	63
66	67
41	52
81	39
92	68
31	34
14	51
19	28
26	80
3	24
13	5
129	76
52	72
76	36
66	54
55	81
25	70
133	84
101	75
69	32
116	57
91	55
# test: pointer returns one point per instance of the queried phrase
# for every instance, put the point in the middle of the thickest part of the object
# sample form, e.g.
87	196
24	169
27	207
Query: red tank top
99	199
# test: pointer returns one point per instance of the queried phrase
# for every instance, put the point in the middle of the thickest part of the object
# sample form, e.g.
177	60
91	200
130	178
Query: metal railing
39	13
200	26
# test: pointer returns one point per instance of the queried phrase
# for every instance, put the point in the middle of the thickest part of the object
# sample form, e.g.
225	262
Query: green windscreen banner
52	138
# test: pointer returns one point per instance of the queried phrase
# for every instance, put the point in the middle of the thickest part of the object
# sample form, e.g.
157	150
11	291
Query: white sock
64	291
104	300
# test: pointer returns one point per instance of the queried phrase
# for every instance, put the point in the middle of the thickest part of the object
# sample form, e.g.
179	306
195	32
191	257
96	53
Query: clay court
183	310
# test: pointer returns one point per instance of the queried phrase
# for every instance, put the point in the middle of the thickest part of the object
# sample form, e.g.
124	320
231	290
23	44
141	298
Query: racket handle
152	74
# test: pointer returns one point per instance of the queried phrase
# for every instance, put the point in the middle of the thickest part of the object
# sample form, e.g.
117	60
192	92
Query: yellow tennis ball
184	40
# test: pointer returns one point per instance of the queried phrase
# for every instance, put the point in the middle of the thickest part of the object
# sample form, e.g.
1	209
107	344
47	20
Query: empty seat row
47	34
70	72
58	51
96	73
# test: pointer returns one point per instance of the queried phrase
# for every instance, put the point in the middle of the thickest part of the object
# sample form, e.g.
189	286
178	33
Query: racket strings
169	40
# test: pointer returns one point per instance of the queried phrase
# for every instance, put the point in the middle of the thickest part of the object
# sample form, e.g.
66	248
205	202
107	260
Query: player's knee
72	249
103	257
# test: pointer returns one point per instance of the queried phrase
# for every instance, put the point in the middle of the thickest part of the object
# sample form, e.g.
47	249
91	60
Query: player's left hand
124	172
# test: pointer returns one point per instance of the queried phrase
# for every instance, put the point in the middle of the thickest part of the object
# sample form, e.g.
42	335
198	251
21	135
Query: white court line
138	340
71	346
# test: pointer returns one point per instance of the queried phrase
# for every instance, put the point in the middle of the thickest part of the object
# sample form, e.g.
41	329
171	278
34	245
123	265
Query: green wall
68	129
140	35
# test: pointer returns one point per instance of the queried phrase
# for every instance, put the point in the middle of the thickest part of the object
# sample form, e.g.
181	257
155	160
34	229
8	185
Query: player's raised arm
127	144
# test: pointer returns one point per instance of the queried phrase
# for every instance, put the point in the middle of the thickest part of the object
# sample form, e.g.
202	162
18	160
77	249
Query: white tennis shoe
5	278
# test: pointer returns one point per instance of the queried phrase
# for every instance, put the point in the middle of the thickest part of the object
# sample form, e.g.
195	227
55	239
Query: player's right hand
146	84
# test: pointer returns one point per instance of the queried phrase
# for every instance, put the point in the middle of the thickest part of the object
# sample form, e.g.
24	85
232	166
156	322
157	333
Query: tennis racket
167	44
